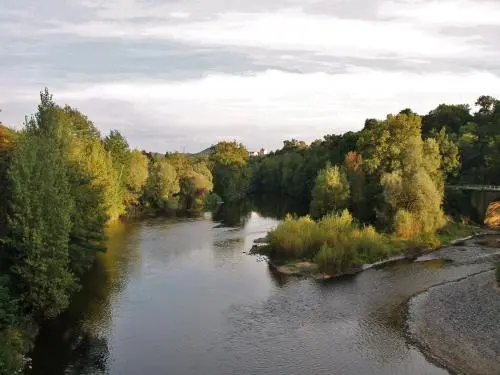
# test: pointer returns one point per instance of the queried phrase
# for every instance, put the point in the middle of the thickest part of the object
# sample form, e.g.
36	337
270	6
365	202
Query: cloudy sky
181	75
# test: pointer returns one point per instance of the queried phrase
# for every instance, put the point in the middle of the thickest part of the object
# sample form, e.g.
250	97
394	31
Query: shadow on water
72	345
237	214
184	298
278	207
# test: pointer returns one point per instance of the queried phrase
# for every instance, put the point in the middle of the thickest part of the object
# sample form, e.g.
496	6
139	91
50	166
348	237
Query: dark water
183	298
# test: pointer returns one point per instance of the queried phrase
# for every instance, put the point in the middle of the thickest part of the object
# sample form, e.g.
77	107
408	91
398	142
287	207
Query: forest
369	193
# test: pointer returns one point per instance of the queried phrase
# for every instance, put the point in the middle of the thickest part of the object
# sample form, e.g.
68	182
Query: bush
335	260
296	238
336	242
406	224
331	191
455	230
424	240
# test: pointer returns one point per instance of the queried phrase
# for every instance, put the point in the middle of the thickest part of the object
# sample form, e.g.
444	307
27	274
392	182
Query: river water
183	297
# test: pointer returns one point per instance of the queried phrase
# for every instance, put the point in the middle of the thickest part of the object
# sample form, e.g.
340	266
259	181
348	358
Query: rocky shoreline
457	324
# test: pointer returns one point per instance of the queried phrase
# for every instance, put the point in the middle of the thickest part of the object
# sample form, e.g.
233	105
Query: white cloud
181	15
444	12
279	103
293	29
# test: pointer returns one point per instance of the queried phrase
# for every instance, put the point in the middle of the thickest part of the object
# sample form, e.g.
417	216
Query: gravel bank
458	323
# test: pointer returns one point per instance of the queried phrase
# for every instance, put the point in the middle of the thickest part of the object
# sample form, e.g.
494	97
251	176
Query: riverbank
388	250
456	324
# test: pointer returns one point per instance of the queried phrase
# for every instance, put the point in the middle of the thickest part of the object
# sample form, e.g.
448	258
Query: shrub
335	260
295	238
425	240
406	224
335	242
331	191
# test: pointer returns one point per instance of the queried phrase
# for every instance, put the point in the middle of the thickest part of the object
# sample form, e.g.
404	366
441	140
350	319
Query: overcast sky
174	75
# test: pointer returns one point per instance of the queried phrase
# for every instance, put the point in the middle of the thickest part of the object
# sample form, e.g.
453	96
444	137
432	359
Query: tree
194	185
230	171
136	176
409	171
7	137
40	220
88	220
162	182
117	146
356	176
450	153
451	117
331	191
85	151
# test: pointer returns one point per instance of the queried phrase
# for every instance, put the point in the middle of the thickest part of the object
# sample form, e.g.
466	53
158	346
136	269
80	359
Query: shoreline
302	268
454	324
447	334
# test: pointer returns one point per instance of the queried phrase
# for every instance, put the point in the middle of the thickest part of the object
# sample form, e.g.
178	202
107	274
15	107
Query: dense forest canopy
61	181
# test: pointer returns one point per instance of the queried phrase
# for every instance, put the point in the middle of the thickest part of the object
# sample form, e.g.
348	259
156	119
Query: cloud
275	103
176	73
459	13
292	30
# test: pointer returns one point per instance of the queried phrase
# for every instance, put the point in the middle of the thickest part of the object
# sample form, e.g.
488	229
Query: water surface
183	297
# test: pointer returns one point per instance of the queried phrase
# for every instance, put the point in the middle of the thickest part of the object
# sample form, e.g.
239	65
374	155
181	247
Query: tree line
451	144
61	181
381	190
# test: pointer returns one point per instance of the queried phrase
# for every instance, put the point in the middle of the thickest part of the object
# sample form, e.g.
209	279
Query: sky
182	75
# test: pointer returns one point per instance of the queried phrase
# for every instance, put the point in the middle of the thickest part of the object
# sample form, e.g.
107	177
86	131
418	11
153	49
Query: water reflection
233	214
278	207
183	297
76	342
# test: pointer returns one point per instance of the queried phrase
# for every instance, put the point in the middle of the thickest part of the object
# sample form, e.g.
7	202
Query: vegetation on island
391	178
371	194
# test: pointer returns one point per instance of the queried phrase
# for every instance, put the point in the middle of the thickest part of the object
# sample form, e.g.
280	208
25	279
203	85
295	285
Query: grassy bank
337	244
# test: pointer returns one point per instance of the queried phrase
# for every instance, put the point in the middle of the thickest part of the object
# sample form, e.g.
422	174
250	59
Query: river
184	297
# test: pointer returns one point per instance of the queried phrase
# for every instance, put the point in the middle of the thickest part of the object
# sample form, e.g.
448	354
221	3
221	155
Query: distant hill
204	152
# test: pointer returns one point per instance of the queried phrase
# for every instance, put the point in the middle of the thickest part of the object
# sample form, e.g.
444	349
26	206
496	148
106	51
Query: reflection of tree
75	342
64	347
233	214
278	207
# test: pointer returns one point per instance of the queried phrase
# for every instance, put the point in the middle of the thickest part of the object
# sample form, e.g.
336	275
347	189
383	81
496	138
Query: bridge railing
474	187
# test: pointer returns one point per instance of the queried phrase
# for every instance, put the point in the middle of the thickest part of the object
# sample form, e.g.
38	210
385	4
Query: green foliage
212	201
450	154
162	183
295	238
410	173
336	242
86	152
331	191
40	221
136	177
228	154
455	230
13	345
88	220
116	144
7	137
230	170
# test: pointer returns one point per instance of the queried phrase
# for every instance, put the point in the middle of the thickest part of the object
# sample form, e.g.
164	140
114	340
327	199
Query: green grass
454	230
335	243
